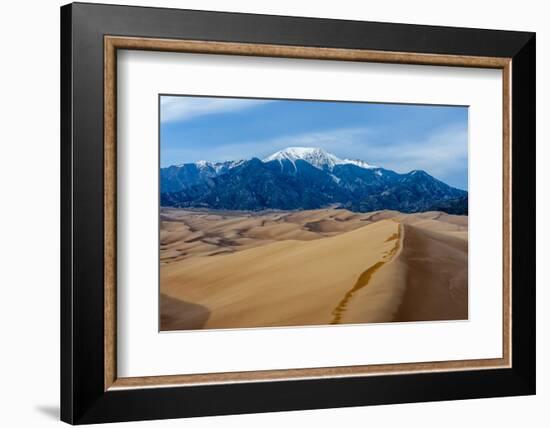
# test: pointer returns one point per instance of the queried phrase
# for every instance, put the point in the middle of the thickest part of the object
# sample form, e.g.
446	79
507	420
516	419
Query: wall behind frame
29	218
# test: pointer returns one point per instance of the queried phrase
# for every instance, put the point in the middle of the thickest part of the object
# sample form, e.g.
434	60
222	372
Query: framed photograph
265	213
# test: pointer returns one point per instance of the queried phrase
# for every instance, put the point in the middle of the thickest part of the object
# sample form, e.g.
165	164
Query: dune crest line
366	276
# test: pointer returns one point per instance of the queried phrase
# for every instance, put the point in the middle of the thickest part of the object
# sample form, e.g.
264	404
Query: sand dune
436	275
427	280
233	270
187	234
282	283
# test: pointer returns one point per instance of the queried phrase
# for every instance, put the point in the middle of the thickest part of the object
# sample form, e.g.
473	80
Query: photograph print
279	213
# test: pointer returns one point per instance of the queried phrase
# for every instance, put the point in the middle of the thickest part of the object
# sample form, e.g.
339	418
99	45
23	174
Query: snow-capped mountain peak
315	156
318	179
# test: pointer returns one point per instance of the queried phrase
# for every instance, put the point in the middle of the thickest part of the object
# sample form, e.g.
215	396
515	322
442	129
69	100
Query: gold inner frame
113	43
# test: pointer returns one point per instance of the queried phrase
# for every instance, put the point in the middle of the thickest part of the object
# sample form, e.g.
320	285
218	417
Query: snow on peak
359	163
218	166
203	163
315	156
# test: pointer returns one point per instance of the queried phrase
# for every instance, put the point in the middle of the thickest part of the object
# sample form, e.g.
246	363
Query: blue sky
393	136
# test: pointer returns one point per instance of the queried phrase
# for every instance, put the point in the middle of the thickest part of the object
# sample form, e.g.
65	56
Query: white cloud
337	141
340	141
181	108
442	153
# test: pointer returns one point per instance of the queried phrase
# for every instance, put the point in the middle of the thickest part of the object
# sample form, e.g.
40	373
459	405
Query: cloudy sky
392	136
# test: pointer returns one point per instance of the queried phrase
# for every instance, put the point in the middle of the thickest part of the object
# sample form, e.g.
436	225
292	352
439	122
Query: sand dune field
327	266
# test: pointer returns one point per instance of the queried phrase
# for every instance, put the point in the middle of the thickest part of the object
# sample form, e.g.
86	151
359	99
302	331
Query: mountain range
305	178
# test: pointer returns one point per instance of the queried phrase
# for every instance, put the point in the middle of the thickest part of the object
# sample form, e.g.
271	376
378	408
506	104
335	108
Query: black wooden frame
83	399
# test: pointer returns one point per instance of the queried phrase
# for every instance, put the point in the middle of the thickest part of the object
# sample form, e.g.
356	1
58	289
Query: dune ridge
367	275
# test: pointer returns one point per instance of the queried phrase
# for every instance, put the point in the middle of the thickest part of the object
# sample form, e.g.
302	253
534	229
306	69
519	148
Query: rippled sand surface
328	266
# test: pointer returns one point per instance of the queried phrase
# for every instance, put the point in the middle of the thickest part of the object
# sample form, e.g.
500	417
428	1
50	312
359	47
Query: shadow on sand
177	314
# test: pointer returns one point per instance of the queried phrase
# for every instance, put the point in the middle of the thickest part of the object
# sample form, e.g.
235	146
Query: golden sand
235	270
